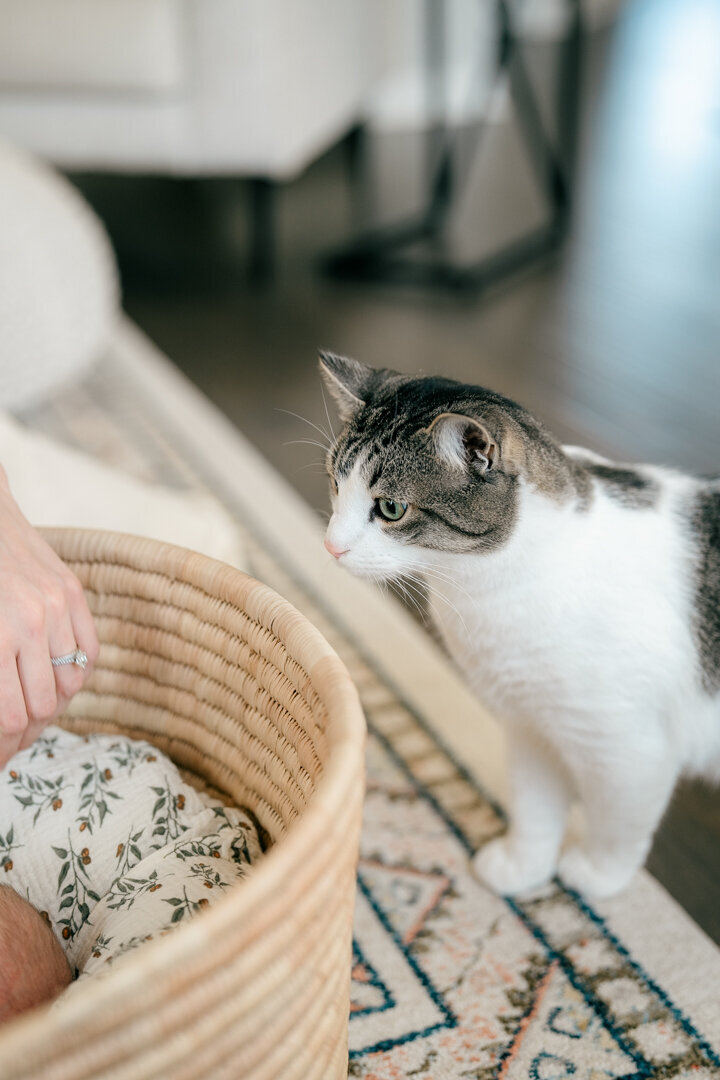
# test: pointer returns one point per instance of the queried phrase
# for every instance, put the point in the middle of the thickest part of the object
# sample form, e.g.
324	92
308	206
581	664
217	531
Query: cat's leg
526	855
623	802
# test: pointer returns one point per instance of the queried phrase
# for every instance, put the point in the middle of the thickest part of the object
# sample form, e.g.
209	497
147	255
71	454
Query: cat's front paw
506	871
581	872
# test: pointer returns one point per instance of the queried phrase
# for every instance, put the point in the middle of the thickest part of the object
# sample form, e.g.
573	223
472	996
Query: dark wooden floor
616	344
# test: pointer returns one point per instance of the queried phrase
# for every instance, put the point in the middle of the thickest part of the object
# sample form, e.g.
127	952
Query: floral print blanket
102	835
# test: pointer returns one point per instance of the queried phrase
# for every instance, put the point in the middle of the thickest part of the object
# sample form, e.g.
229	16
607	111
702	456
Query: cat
579	598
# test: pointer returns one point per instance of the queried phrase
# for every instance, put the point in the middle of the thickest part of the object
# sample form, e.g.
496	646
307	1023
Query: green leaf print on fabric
44	746
184	906
240	851
124	891
128	854
7	846
167	824
101	946
244	834
77	891
209	847
210	878
37	791
95	791
131	943
127	755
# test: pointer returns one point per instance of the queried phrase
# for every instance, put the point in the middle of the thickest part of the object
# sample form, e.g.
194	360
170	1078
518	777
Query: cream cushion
58	281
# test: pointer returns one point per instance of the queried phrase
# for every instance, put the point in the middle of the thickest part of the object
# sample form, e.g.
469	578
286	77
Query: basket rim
273	875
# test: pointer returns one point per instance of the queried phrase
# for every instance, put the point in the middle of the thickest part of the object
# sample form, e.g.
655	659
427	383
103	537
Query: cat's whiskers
441	596
408	582
432	571
328	444
401	588
305	442
319	467
439	568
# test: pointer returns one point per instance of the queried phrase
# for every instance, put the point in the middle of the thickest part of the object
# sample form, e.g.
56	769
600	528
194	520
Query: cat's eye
391	509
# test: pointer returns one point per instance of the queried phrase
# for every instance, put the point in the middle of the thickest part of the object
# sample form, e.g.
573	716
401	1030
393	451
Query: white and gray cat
580	598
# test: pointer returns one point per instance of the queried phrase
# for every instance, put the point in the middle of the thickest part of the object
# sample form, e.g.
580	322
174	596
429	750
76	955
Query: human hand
43	613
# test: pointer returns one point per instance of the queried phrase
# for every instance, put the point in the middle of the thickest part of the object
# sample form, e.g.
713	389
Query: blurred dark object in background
386	254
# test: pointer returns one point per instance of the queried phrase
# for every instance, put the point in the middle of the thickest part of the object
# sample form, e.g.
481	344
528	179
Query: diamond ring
78	657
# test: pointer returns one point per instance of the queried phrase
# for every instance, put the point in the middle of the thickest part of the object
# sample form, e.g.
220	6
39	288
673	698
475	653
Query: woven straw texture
251	702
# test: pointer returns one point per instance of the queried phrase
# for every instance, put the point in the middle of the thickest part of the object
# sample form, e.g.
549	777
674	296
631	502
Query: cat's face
422	466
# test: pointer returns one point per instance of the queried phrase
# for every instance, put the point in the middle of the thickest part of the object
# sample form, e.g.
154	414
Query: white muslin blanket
102	835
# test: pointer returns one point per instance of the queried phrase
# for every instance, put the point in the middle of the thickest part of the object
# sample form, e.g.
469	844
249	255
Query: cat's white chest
496	638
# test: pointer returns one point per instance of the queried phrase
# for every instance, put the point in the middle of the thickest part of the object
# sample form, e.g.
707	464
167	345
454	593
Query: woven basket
251	702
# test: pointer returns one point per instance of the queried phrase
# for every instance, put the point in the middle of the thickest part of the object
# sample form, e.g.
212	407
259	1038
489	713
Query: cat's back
704	528
663	528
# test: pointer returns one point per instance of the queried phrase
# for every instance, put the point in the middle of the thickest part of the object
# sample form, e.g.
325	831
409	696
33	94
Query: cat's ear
347	380
462	442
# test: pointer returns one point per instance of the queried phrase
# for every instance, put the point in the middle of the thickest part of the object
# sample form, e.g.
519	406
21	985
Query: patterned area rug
449	981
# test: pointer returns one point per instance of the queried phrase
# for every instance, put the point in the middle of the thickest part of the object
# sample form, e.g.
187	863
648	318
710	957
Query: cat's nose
334	550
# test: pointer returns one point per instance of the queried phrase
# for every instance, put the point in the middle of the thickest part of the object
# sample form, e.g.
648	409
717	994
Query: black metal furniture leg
261	268
379	254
